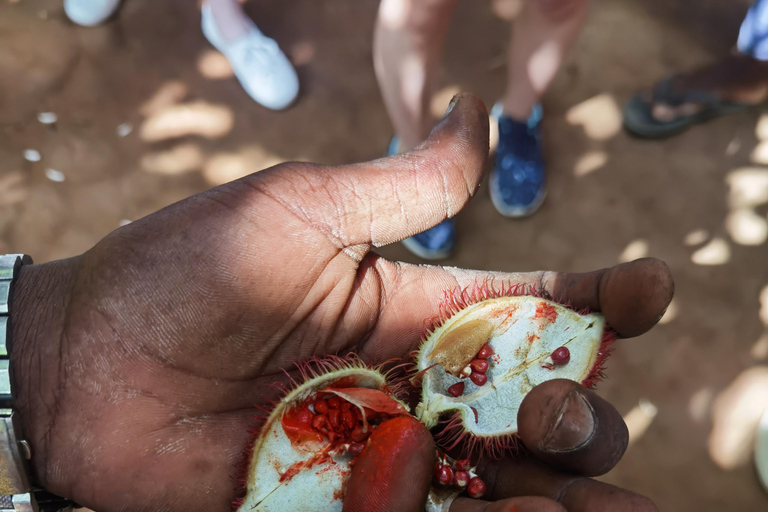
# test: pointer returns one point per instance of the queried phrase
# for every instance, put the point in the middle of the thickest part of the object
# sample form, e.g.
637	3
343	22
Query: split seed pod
302	457
522	333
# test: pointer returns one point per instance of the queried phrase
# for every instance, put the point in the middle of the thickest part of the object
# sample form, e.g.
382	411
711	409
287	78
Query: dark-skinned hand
138	364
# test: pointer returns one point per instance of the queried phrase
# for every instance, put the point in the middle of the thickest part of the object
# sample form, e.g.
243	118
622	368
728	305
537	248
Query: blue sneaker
433	244
518	183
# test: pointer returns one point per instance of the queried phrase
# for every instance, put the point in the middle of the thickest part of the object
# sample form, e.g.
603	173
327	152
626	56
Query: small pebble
54	175
32	155
124	129
47	117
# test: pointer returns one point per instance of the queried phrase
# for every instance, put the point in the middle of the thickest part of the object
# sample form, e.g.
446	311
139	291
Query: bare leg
407	50
230	19
541	36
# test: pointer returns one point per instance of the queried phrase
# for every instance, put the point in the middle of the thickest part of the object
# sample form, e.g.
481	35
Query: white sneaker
263	70
89	13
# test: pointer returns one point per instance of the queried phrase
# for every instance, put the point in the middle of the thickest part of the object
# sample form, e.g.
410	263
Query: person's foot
90	13
262	68
436	243
728	86
518	181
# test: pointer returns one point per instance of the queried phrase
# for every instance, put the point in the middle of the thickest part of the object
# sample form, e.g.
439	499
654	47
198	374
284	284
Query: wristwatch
16	489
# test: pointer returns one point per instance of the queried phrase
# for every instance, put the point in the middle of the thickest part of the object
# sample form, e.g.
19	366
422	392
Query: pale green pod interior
526	330
318	488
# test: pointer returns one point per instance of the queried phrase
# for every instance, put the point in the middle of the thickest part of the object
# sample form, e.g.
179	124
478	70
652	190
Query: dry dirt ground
691	389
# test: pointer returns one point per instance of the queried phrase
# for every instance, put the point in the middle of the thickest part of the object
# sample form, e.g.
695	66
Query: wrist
39	300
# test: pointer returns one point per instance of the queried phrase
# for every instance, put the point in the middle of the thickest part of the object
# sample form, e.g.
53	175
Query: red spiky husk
304	371
452	435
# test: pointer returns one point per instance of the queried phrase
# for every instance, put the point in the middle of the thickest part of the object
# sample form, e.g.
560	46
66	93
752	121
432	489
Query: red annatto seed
437	471
478	378
456	390
485	352
304	415
349	419
561	356
319	422
479	365
321	407
359	433
356	449
334	402
462	465
476	487
334	416
445	476
461	479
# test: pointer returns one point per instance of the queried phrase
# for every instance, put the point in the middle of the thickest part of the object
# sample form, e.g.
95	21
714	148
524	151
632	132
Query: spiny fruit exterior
302	457
483	358
477	362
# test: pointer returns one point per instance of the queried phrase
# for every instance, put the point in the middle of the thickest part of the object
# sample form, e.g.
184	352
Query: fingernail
572	425
452	104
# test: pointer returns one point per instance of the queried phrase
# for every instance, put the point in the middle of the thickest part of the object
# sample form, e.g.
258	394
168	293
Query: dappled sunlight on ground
214	65
735	415
589	162
177	160
716	252
673	310
600	117
224	167
699	404
198	118
696	237
635	250
169	93
507	10
639	419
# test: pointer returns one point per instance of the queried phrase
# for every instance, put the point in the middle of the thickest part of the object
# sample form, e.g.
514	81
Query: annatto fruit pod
302	457
489	349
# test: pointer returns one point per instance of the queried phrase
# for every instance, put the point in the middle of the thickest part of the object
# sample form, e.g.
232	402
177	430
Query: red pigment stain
533	337
474	411
296	468
297	428
546	311
339	494
496	359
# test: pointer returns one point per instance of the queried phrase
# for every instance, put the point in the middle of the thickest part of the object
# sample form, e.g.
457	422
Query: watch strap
16	490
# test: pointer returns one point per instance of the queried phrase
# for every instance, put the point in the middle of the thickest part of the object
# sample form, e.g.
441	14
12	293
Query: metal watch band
16	491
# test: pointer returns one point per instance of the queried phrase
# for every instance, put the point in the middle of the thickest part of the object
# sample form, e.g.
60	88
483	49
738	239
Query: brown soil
609	194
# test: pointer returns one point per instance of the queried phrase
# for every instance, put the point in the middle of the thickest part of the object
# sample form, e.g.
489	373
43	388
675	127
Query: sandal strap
663	93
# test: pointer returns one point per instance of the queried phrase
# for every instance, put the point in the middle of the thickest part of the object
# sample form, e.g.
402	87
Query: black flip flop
639	120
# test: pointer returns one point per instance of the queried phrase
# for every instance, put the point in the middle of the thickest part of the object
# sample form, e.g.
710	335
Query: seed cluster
340	421
457	474
476	371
